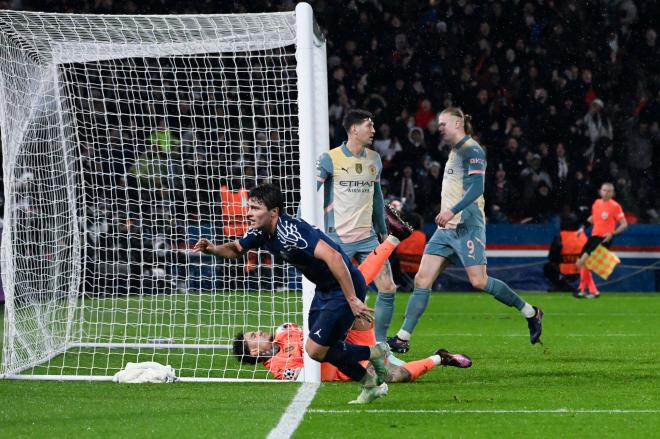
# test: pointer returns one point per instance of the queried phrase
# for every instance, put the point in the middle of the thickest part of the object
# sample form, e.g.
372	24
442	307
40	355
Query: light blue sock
383	311
503	293
416	306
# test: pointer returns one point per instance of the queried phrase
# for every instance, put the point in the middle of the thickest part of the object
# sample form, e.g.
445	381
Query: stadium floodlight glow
125	139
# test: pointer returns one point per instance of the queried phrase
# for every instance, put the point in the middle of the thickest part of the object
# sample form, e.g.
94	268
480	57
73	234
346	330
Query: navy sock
346	358
503	293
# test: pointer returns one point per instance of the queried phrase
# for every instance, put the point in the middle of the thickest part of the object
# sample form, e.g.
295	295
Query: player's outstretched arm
230	250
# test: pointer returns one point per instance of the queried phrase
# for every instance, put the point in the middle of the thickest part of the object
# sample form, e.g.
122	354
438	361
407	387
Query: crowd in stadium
561	103
564	95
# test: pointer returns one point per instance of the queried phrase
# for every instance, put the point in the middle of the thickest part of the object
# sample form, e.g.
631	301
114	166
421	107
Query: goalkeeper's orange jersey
288	360
605	215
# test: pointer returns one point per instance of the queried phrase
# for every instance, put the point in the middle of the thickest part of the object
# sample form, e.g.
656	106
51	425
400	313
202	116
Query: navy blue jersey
295	240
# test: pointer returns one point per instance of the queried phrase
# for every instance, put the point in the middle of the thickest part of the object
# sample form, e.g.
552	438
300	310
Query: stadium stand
564	96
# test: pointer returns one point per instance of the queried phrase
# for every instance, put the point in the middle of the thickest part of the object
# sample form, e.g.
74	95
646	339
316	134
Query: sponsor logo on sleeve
289	236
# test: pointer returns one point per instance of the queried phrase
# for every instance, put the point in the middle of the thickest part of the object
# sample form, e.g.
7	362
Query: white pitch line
495	412
295	412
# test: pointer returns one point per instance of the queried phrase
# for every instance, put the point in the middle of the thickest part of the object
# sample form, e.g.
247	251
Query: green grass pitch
596	375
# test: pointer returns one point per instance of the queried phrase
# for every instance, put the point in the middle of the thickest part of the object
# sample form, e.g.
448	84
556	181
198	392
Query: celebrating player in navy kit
340	287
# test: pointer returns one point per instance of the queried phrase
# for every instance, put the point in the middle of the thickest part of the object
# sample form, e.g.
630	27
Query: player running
340	286
608	220
461	232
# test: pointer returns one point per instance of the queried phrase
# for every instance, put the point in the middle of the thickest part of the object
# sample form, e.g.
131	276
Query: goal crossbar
125	140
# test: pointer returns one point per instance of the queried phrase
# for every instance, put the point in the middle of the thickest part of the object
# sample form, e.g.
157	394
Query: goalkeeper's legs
411	371
375	268
346	358
373	263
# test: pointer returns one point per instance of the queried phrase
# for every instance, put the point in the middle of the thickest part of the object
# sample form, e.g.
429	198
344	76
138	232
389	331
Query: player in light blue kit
461	232
354	210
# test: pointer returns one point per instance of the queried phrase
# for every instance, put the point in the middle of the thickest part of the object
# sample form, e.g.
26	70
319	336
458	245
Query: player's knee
315	351
385	281
423	280
479	282
388	287
316	355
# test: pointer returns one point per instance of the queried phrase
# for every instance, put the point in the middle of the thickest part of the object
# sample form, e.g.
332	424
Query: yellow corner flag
602	262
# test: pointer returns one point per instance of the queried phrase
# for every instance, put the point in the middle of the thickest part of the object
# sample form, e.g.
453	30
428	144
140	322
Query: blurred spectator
512	158
429	193
386	145
597	127
640	145
501	198
414	149
407	189
424	114
543	205
532	176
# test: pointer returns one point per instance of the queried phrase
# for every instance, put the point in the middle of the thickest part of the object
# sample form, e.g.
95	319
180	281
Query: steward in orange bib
235	223
571	248
565	250
234	210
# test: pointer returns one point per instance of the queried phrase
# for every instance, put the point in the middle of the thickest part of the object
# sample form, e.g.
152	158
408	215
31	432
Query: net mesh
125	140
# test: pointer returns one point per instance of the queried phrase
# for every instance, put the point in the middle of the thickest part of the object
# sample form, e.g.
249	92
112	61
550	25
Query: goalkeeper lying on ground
282	354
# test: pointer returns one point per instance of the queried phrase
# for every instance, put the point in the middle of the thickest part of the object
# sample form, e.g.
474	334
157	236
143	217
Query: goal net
125	140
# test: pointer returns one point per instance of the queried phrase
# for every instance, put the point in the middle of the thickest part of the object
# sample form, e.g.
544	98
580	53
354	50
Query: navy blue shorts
330	316
329	326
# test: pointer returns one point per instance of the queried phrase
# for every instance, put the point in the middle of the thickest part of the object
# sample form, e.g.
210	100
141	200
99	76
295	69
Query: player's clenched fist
203	246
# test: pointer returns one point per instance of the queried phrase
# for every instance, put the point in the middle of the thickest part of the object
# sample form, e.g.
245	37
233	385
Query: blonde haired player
461	232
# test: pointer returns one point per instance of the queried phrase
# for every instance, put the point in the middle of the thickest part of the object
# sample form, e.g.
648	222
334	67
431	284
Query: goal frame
313	136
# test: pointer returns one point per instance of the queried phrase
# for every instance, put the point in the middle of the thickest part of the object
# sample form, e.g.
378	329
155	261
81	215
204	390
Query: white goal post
127	138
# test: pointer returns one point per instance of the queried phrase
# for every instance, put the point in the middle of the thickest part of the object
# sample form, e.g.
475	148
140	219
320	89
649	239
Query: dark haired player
354	209
340	286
